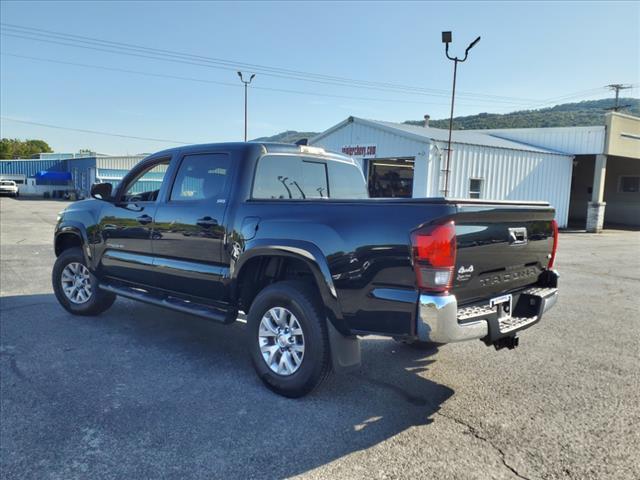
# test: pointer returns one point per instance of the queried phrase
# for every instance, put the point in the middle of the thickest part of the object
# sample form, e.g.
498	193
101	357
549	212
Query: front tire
76	288
288	339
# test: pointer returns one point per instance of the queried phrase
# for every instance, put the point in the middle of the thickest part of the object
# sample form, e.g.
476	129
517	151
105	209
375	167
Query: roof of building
578	140
440	135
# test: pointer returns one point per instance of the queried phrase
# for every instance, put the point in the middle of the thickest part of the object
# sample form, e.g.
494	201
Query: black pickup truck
288	235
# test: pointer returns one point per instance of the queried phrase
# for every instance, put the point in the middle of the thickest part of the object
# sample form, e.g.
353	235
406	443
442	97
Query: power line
95	132
228	63
234	85
48	36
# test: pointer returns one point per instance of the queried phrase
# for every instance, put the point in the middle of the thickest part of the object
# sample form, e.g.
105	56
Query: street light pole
446	38
246	84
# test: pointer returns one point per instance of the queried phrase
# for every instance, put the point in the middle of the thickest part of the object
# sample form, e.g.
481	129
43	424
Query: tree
15	148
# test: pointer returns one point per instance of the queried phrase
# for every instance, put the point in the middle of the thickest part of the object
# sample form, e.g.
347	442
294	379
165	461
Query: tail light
434	256
554	248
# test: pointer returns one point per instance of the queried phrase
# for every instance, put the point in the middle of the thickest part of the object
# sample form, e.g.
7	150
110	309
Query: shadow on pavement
141	392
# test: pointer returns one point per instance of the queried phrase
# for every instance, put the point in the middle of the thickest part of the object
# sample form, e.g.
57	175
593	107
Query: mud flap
345	350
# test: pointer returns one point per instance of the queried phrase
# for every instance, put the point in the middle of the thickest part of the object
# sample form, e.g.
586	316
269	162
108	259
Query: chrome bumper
438	318
438	321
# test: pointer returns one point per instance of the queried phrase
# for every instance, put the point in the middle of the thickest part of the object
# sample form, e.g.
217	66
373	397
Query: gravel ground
140	392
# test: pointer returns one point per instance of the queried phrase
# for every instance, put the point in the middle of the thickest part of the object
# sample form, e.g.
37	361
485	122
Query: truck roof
267	147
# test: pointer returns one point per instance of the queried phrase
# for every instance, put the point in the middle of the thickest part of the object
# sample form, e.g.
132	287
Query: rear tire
296	368
71	266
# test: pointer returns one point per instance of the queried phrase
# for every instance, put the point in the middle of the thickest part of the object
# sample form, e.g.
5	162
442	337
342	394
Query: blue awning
54	176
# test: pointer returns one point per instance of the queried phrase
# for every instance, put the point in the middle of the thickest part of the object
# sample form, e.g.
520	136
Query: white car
9	187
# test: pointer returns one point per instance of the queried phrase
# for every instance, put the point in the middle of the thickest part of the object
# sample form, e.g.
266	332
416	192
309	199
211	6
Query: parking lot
141	392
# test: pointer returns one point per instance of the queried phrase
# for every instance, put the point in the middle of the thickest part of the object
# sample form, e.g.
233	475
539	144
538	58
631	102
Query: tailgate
500	248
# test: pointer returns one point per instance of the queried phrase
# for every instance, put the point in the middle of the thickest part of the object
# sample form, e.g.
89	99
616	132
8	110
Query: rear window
297	177
346	181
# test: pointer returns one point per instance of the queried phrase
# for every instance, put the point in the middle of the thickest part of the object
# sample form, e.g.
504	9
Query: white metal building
402	160
605	188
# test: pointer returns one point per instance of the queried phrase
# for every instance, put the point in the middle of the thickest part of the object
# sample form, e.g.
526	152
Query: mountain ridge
576	114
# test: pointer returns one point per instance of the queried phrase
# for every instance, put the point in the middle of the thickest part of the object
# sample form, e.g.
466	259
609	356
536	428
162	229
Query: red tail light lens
434	256
554	248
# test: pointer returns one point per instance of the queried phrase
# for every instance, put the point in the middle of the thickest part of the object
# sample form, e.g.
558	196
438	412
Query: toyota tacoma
287	235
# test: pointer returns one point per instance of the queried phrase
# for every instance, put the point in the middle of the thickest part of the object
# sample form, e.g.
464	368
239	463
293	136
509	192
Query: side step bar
172	303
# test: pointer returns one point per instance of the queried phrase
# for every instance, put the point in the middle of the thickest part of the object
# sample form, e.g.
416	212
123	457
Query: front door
189	232
126	225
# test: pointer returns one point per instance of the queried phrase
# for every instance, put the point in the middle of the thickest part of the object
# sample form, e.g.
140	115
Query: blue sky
529	55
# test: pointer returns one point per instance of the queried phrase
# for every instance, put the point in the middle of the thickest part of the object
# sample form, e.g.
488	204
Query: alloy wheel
281	341
76	283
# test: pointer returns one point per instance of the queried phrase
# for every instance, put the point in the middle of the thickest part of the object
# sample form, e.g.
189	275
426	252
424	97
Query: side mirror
101	191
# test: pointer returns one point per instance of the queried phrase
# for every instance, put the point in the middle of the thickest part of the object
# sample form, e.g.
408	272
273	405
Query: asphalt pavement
140	392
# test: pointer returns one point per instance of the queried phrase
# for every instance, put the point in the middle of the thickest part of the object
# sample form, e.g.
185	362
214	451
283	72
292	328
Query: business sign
360	151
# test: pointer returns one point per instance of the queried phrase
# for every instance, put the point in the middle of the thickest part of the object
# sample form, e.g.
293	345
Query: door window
146	186
201	176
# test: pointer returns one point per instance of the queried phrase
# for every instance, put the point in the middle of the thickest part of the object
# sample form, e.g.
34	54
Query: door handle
207	222
144	219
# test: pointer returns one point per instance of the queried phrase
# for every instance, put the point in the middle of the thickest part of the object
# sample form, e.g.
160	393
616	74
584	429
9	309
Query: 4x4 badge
464	273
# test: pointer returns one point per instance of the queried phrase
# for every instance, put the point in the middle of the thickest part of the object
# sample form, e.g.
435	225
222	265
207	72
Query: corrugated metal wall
387	145
570	140
113	170
510	175
31	167
118	163
84	170
507	174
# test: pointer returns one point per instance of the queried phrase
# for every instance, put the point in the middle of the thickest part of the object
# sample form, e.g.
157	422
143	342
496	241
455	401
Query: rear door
500	248
126	224
188	232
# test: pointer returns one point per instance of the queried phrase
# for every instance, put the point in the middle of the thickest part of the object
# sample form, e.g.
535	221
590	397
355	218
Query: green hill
290	136
590	112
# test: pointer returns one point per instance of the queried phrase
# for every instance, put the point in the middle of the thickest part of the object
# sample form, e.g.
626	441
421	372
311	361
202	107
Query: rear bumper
441	321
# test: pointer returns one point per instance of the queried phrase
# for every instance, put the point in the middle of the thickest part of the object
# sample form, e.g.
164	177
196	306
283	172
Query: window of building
201	176
629	184
391	177
290	177
475	187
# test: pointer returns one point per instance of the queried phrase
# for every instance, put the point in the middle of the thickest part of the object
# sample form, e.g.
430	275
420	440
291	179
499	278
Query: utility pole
617	87
446	38
246	84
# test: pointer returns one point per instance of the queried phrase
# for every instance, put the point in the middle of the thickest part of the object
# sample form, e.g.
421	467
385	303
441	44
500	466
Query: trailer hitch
507	342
